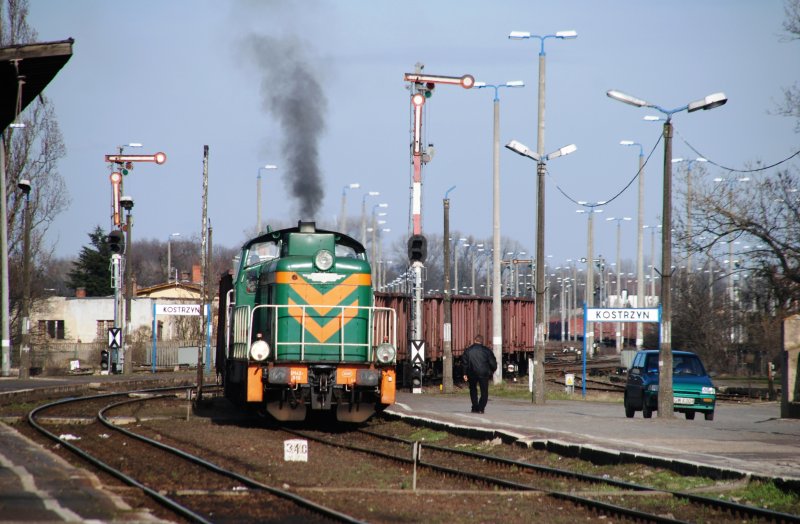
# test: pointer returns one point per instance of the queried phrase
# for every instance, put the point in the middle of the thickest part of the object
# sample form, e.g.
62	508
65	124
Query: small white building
84	319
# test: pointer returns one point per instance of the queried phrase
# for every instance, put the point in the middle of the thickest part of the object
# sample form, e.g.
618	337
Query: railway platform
39	486
744	439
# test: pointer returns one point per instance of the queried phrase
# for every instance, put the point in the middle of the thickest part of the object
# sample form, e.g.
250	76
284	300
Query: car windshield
686	365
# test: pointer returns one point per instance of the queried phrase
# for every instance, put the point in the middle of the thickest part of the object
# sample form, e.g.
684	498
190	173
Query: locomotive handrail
389	324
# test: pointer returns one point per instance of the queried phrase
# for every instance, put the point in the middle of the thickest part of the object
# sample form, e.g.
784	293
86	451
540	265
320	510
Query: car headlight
385	353
709	390
259	350
323	260
652	387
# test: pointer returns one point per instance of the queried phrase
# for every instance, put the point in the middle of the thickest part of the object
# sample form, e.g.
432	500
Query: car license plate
682	400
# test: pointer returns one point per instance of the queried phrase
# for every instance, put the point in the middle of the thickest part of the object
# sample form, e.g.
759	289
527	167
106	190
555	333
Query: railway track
598	495
352	484
173	478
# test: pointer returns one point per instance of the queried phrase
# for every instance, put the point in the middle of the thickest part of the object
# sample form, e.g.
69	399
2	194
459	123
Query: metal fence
60	358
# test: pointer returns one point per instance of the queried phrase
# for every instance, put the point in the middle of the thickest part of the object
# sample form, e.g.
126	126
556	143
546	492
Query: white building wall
80	315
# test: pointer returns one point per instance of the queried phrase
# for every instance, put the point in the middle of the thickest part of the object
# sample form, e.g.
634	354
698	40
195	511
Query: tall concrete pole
497	286
5	354
447	364
665	401
640	252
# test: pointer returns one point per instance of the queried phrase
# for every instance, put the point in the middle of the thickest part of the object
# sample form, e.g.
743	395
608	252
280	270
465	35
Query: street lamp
374	226
560	35
590	210
169	257
364	215
639	242
497	297
343	214
652	257
258	195
478	248
456	282
689	164
24	321
126	202
619	274
665	402
539	333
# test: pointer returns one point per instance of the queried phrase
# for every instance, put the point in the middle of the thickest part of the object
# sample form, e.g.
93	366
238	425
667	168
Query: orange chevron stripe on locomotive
317	322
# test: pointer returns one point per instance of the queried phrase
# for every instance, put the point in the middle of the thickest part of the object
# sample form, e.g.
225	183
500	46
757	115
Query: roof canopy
38	63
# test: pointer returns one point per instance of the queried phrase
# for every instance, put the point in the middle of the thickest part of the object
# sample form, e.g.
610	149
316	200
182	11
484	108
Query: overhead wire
755	170
620	192
647	160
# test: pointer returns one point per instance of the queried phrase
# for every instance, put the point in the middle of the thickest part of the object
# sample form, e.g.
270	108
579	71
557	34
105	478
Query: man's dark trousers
478	405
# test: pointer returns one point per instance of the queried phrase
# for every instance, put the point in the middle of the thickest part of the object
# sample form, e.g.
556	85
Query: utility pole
447	364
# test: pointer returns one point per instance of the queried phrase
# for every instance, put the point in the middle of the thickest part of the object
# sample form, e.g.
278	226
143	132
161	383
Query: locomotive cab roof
305	227
305	240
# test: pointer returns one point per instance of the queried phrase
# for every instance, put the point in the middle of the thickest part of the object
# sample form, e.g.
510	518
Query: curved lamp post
665	405
639	242
497	288
689	163
590	210
539	342
364	215
619	274
343	214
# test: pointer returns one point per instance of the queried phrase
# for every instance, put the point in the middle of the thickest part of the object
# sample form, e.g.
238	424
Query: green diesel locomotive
298	329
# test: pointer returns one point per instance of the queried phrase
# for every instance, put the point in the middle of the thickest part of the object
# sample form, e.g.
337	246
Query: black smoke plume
292	94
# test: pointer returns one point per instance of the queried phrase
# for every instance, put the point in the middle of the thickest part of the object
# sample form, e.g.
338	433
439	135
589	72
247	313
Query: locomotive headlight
323	260
259	350
385	353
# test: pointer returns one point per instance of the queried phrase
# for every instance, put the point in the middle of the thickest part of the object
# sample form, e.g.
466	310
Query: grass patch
766	495
428	435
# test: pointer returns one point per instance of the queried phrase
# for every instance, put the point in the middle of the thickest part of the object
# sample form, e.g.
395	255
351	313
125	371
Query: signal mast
421	88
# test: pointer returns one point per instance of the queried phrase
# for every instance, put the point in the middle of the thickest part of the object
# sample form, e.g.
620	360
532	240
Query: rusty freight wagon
471	315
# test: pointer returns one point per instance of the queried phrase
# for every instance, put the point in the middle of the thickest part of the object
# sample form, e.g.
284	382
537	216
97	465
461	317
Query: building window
52	328
102	329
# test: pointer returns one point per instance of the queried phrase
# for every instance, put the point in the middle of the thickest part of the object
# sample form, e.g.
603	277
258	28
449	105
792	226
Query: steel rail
155	495
582	501
300	501
729	506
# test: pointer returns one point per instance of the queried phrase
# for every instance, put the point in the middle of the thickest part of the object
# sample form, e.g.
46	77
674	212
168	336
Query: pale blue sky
174	76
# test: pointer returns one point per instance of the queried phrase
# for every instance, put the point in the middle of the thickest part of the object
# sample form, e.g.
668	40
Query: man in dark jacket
479	364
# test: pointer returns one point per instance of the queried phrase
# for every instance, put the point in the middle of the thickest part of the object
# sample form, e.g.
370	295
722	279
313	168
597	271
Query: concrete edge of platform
6	396
596	454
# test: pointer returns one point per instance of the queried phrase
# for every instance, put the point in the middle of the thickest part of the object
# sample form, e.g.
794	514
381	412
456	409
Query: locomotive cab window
262	252
344	251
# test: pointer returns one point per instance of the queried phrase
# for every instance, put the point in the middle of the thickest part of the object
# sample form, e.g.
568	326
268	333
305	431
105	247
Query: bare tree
31	153
791	95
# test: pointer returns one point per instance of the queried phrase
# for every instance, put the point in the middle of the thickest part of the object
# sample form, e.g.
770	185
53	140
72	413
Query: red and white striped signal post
123	164
421	89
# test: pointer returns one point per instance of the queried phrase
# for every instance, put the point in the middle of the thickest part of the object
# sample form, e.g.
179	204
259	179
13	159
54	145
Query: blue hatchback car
692	389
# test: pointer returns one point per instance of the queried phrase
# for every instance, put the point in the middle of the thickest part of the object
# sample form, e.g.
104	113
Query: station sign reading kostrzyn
177	309
623	315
